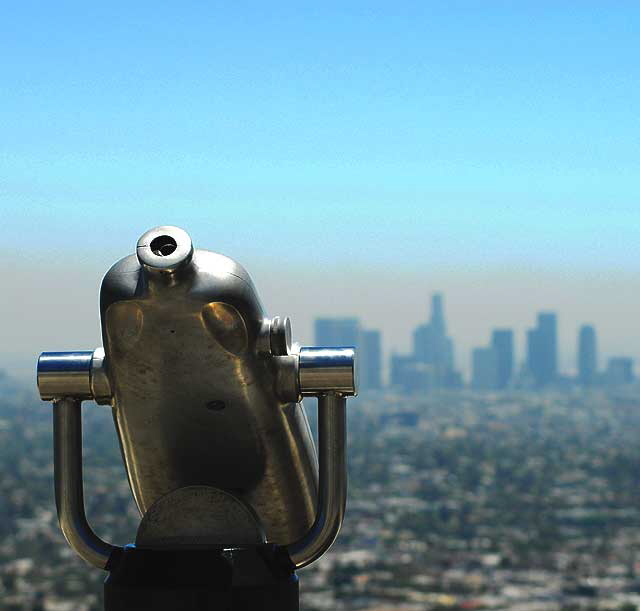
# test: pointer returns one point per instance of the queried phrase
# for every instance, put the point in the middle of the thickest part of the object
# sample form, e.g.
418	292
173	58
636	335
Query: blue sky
424	142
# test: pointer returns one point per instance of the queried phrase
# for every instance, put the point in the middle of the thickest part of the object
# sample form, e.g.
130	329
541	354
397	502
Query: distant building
431	364
542	350
619	371
432	347
337	332
502	343
370	360
348	332
424	343
485	367
587	356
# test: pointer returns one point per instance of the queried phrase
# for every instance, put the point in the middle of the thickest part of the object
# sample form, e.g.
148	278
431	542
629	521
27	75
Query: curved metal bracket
67	465
332	495
330	375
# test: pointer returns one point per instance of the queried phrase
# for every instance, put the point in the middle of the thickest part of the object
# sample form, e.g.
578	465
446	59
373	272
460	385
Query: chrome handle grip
332	495
327	370
67	378
67	465
329	374
80	374
65	374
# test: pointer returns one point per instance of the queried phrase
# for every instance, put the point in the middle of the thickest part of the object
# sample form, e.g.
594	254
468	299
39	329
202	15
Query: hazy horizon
476	301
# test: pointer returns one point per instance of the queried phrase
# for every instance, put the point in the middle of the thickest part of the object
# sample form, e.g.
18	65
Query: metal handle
80	374
329	374
327	370
67	465
332	496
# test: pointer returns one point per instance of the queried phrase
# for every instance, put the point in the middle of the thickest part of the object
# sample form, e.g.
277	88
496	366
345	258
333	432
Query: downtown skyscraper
431	345
492	366
431	364
502	343
542	350
484	368
587	356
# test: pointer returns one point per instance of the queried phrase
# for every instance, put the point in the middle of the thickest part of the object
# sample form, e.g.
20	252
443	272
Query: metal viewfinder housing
206	396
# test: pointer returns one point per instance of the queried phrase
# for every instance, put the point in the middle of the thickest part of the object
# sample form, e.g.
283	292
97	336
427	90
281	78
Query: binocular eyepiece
206	393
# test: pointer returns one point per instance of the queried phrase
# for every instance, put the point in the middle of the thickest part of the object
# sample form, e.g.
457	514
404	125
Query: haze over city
354	160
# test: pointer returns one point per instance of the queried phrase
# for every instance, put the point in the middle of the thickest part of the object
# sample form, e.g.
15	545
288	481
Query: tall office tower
587	355
337	332
533	352
370	360
547	325
542	350
485	366
619	371
502	343
431	365
424	344
443	345
432	346
437	315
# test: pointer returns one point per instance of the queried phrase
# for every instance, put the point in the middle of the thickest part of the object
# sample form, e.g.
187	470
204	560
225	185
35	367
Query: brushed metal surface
193	395
204	391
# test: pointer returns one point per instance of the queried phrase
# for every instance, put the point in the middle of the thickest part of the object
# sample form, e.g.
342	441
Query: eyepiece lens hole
163	245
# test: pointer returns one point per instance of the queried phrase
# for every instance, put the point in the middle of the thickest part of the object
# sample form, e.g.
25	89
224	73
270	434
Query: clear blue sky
500	137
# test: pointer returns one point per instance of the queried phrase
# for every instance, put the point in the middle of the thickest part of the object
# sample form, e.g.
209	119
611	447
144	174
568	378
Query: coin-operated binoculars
206	397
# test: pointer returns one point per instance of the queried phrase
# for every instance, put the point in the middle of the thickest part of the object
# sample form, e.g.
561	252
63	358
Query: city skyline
27	329
431	363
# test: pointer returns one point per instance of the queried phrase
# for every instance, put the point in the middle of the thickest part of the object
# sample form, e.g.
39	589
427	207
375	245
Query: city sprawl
458	500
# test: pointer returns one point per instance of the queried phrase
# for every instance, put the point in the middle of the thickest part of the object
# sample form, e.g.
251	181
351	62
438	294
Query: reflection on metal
205	393
65	373
325	370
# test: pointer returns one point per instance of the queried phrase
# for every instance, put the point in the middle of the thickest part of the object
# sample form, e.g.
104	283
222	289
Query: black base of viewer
249	578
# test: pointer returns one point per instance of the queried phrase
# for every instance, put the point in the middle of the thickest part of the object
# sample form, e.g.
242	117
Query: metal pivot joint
79	374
